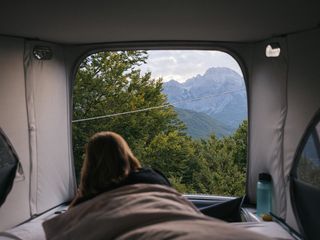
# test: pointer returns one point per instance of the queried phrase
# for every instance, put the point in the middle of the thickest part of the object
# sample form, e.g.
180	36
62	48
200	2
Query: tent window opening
308	169
183	112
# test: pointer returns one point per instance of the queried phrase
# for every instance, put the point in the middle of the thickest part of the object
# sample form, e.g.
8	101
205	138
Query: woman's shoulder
148	175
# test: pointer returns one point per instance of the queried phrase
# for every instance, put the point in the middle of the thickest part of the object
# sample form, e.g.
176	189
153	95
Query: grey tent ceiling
146	20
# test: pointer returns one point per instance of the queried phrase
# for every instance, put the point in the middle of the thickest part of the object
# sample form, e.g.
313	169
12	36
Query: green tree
111	83
240	145
226	158
309	172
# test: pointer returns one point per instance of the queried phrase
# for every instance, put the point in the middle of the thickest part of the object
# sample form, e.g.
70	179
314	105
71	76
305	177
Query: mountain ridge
220	93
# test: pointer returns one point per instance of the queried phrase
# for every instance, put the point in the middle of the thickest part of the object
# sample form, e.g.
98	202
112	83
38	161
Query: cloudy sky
181	65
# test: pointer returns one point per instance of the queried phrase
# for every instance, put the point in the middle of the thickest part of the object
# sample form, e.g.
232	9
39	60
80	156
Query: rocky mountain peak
172	83
209	89
215	77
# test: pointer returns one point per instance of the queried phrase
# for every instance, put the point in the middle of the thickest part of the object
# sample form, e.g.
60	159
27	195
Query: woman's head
108	160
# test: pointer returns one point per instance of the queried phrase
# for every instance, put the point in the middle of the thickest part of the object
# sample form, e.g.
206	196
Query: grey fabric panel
290	217
307	198
144	20
272	230
267	93
8	236
32	230
48	99
13	121
303	92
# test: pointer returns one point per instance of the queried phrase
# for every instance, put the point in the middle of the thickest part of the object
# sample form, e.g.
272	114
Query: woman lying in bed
110	164
118	199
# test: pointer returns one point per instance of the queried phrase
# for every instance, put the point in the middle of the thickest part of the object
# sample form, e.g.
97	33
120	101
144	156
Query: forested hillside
200	125
111	85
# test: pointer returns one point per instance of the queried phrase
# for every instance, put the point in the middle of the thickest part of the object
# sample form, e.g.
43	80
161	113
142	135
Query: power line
156	107
122	113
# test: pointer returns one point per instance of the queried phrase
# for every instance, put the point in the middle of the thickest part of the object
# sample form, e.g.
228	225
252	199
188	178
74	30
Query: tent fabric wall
13	121
268	108
35	115
303	95
284	95
47	89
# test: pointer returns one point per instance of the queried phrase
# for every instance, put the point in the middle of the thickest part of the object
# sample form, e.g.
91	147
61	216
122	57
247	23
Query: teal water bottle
264	194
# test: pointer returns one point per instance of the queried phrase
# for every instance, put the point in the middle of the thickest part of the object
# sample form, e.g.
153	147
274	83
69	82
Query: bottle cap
264	177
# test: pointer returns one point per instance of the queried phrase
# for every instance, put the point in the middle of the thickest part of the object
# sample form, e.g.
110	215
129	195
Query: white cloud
181	65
